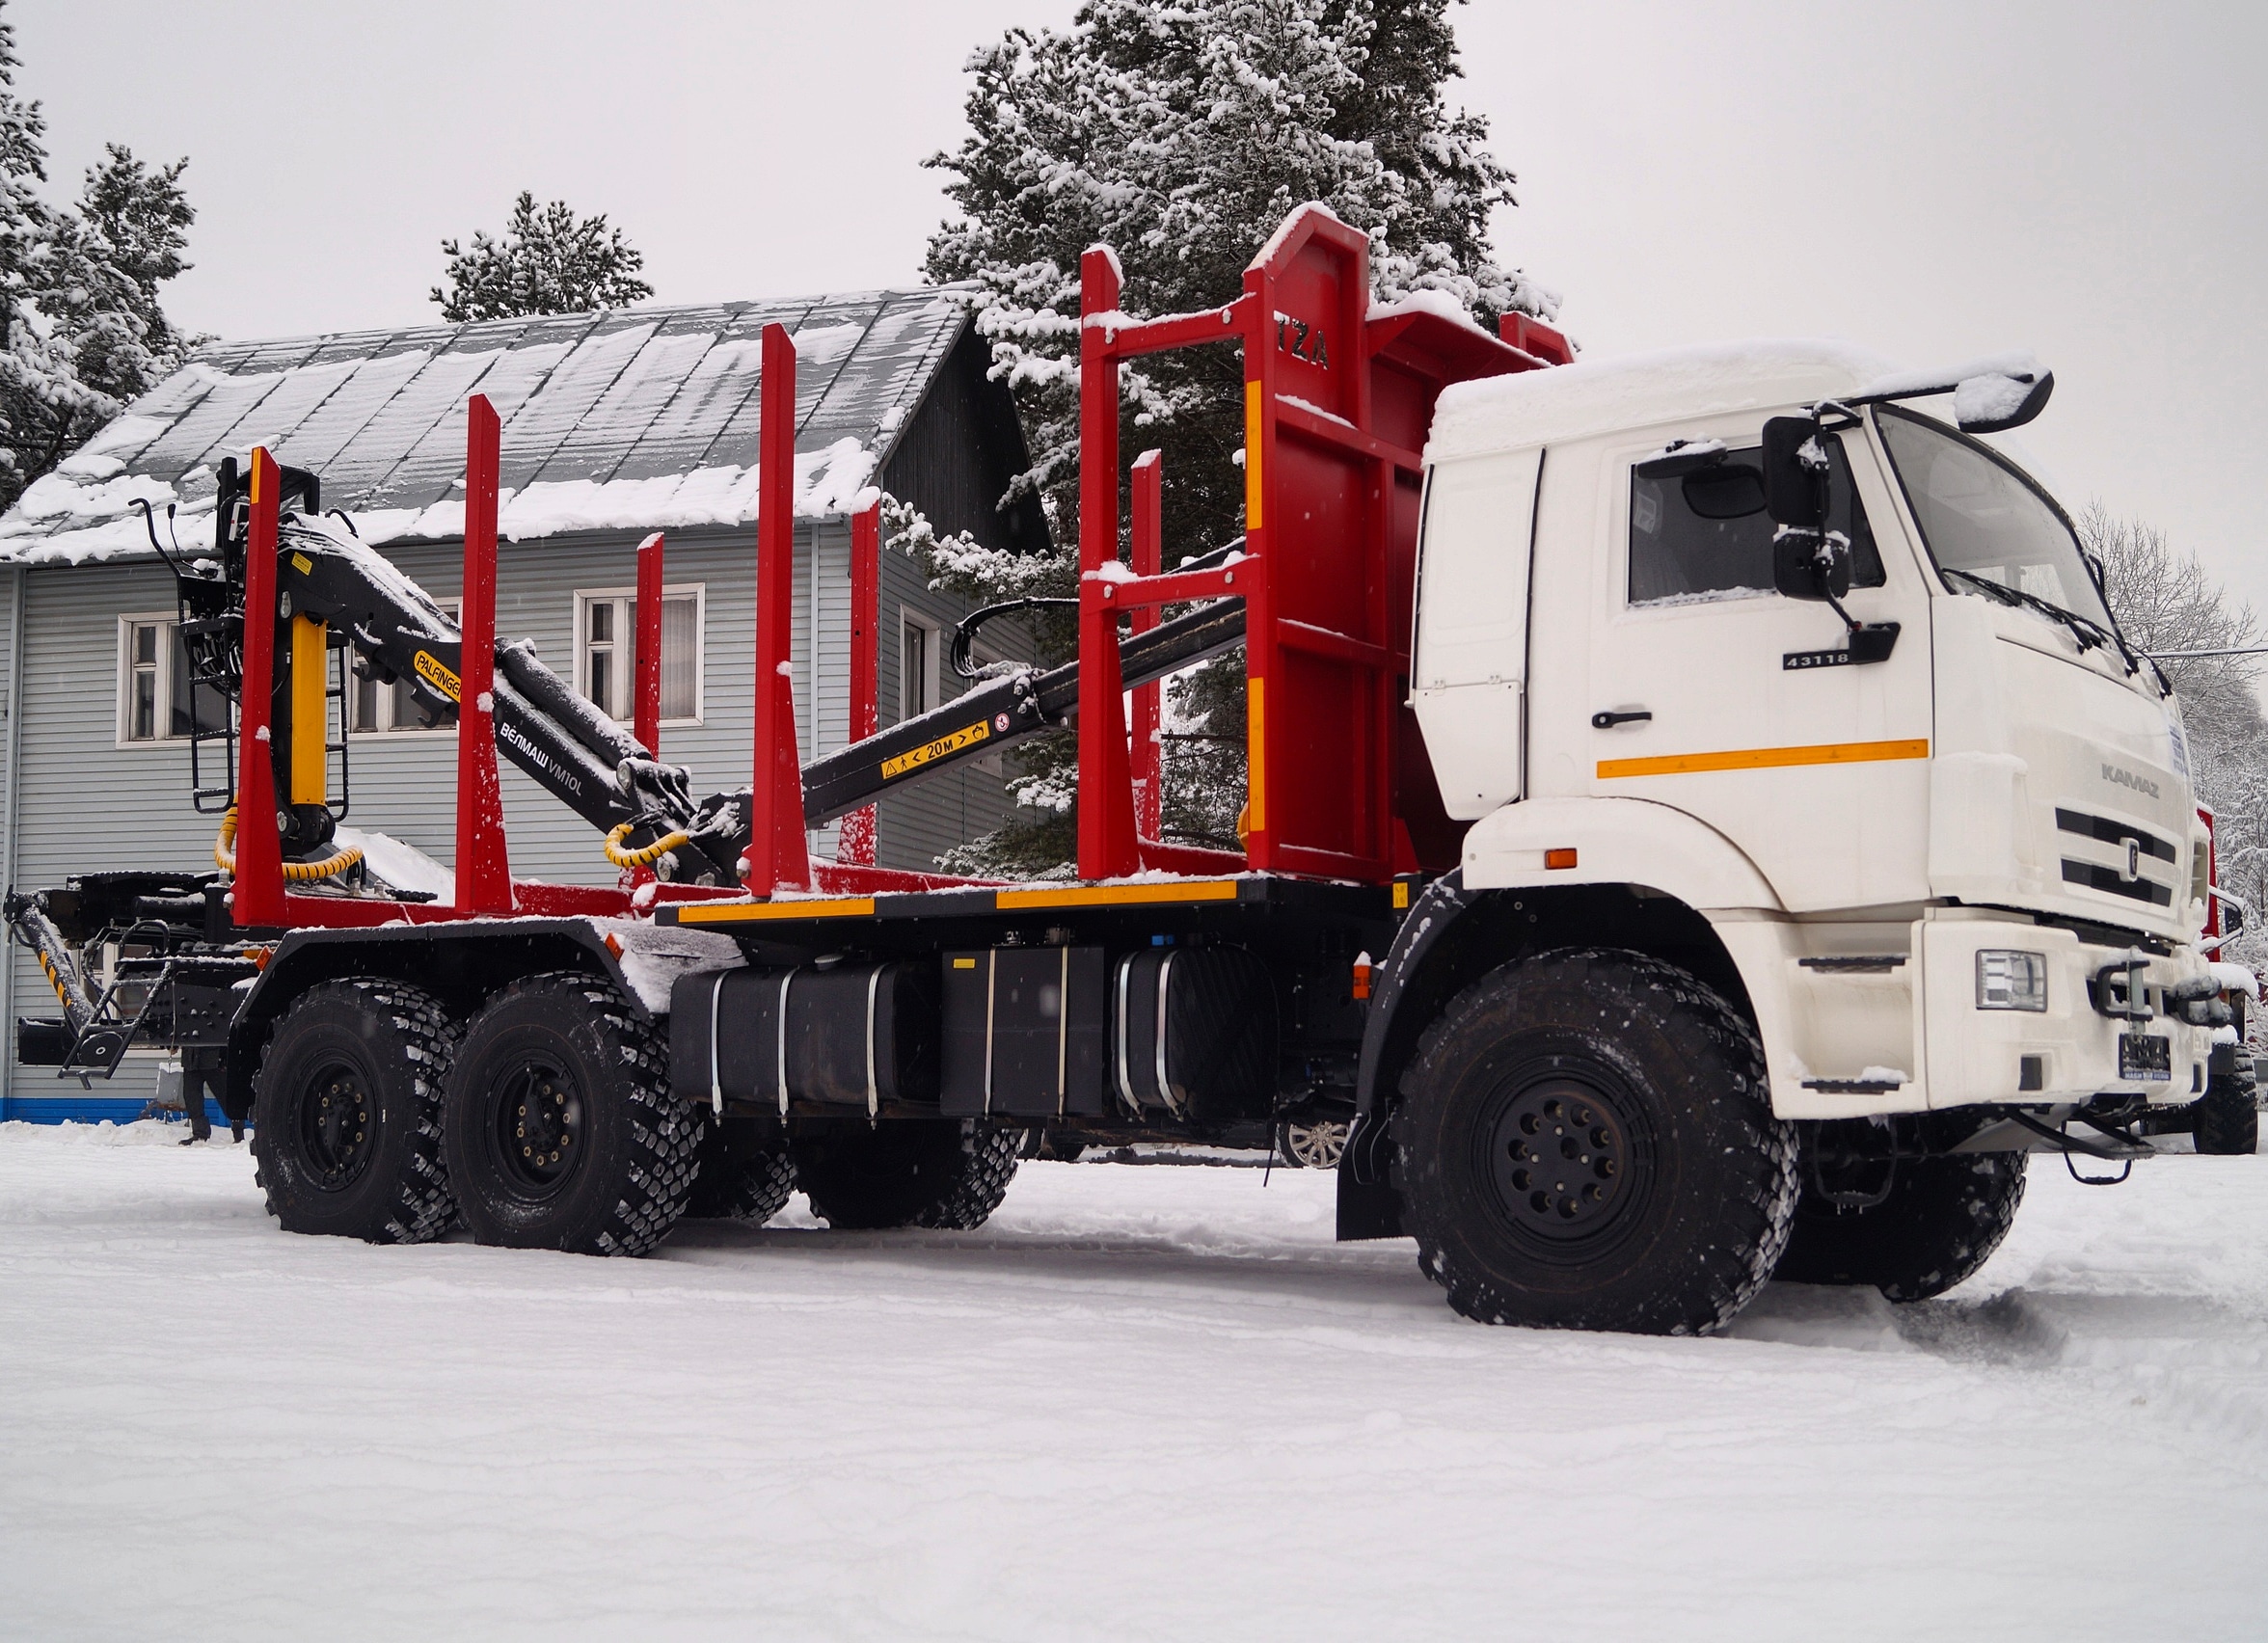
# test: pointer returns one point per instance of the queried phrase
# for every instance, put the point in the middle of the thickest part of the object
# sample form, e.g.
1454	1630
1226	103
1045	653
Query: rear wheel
935	1172
562	1133
1940	1221
346	1113
1586	1141
746	1173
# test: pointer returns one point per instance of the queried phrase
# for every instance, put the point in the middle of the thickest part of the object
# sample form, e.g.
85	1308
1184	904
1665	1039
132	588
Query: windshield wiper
2091	634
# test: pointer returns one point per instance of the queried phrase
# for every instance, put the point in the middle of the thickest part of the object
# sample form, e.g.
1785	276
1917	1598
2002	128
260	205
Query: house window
376	709
918	645
155	700
605	652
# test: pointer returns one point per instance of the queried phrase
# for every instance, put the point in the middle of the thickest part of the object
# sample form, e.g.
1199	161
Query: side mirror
2232	919
1790	484
1811	566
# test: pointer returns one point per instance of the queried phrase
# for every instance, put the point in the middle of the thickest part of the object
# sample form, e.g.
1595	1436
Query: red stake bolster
648	710
854	839
1107	845
1148	552
485	869
257	890
777	856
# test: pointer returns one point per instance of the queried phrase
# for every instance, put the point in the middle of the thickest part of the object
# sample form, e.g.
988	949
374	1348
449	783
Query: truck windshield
1984	521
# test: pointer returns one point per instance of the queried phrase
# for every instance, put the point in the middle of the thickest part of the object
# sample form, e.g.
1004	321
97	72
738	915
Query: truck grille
2125	879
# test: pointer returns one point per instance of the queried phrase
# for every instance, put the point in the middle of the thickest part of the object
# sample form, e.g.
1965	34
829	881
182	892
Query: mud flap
1368	1205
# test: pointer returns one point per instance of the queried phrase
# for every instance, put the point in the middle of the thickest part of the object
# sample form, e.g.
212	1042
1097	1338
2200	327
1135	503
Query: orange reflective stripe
1765	757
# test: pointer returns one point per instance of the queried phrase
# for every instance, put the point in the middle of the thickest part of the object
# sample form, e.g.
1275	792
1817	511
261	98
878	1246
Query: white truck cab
1954	856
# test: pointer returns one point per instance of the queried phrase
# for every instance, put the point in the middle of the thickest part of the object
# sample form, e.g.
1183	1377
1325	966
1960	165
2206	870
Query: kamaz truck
1703	822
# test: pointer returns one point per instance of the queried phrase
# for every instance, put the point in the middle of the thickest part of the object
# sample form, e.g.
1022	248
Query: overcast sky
1932	181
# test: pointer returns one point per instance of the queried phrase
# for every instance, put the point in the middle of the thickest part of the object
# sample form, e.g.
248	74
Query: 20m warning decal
965	737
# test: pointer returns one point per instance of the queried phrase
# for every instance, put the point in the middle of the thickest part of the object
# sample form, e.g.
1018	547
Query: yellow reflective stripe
1119	894
1255	763
1251	455
1765	757
738	912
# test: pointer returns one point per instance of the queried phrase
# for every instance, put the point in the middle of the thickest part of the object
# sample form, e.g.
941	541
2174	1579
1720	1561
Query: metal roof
639	419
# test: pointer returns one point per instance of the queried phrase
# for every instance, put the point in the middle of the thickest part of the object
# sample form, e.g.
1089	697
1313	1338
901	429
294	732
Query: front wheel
1586	1141
562	1133
1938	1222
2225	1123
936	1172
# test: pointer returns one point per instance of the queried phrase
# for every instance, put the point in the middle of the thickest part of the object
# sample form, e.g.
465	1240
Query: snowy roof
641	418
1573	402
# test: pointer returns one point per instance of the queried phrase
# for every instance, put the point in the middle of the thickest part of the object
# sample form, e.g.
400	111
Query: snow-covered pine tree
548	261
82	333
1181	134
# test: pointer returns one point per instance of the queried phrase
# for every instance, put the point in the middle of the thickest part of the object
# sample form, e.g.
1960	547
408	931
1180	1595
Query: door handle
1609	719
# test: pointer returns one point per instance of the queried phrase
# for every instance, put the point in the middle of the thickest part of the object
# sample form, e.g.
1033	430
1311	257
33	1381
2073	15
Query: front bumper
1903	1032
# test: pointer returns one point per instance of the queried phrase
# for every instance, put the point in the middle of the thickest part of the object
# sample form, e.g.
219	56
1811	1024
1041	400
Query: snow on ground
1141	1403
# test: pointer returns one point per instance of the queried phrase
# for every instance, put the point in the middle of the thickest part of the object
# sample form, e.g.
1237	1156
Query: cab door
1716	695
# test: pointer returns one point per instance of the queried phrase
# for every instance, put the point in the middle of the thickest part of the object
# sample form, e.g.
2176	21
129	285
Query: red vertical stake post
1259	604
646	716
485	869
1107	846
1149	554
854	842
777	857
257	894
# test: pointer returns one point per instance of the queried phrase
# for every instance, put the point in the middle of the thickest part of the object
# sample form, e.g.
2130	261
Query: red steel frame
646	723
1336	405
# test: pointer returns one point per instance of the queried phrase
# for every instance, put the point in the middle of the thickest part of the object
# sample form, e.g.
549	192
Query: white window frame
453	609
697	592
933	693
169	622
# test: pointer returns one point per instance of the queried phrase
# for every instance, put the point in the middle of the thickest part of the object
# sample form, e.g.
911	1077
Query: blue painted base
88	1109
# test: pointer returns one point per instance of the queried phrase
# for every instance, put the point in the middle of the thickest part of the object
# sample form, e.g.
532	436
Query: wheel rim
1570	1159
537	1127
1316	1147
336	1134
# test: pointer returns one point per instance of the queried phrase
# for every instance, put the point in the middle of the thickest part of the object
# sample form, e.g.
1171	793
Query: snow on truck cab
1770	839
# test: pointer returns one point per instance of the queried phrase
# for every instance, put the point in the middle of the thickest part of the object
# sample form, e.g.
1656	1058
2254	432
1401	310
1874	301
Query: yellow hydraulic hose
294	872
647	857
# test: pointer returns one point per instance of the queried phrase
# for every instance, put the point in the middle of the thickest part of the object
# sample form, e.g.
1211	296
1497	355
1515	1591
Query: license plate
2144	1056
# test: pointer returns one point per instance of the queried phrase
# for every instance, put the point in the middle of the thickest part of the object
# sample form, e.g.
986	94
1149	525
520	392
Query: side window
156	700
605	652
1678	557
919	644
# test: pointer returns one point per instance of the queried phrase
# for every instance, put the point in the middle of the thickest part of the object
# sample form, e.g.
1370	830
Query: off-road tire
746	1172
378	1050
554	1064
2225	1123
1942	1220
1585	1140
944	1173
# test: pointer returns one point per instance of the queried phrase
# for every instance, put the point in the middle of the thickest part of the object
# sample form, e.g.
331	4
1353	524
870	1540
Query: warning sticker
914	760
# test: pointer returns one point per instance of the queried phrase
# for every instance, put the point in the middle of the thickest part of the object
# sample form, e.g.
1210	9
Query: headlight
2008	980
